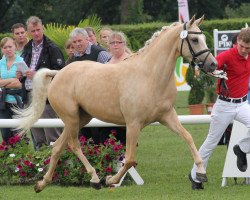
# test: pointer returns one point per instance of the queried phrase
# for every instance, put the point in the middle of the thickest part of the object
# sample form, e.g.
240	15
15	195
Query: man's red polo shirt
238	72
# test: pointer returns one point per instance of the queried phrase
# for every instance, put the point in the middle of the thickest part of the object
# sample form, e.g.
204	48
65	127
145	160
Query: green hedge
225	24
138	34
2	35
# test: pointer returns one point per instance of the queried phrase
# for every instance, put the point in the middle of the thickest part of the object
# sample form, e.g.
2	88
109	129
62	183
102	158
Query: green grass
164	161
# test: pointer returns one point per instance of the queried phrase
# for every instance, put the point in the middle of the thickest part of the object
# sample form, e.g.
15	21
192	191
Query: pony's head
193	46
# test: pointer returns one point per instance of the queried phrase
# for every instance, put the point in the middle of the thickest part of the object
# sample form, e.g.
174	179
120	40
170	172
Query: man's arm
221	60
56	58
103	57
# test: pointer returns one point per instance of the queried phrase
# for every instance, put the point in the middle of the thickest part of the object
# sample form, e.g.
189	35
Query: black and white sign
223	40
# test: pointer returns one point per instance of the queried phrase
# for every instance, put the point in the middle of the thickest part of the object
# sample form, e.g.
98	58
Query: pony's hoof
37	188
201	177
107	180
96	186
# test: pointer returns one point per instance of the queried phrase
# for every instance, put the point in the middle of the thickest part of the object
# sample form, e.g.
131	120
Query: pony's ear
191	21
199	21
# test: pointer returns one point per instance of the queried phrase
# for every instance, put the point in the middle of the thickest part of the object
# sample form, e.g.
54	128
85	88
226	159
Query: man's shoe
195	185
241	158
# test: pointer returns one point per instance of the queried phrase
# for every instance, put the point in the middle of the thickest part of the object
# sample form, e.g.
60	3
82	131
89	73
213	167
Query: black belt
240	100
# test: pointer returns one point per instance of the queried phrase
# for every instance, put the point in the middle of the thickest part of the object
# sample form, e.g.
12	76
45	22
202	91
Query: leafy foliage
93	21
196	93
58	33
200	87
195	96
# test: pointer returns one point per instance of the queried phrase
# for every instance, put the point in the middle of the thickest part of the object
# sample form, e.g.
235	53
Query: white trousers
222	115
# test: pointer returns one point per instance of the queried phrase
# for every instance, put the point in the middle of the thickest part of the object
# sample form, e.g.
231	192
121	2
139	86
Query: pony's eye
194	40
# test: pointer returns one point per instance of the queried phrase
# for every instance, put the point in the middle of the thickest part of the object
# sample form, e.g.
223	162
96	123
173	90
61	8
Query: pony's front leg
132	134
59	145
171	120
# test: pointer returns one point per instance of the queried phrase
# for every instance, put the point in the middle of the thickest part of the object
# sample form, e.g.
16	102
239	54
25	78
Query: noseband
195	60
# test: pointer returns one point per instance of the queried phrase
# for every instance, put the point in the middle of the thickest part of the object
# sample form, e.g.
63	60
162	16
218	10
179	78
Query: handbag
17	93
2	98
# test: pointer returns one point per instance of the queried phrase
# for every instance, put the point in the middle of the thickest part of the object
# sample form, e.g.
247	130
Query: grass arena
164	162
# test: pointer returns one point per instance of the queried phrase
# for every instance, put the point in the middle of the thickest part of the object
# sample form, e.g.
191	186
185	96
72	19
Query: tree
58	11
132	11
125	5
163	10
5	6
70	12
20	10
167	10
242	11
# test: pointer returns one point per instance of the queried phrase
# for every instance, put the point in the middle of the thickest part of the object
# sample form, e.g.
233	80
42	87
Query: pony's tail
28	116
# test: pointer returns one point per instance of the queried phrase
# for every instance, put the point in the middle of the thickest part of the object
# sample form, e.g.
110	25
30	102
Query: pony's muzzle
210	67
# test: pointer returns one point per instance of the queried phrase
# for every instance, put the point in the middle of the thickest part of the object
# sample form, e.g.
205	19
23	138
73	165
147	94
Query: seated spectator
92	35
104	34
118	48
9	84
69	48
84	50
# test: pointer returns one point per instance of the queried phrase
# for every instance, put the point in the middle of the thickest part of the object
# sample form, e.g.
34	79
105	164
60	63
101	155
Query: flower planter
196	109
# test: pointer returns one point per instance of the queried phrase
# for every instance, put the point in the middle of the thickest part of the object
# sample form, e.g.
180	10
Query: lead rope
223	89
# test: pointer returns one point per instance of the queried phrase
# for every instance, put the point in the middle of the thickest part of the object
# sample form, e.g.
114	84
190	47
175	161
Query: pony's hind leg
58	146
171	120
95	181
76	148
132	134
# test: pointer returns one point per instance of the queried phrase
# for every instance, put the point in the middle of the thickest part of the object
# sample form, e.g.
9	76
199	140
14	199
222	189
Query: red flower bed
19	163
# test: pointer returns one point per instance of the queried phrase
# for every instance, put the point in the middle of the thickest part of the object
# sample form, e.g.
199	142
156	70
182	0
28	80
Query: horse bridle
195	60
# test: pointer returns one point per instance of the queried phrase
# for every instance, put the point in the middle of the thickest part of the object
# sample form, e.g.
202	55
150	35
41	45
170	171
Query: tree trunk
125	6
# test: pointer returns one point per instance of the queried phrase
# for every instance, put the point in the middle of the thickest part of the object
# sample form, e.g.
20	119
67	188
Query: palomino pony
135	93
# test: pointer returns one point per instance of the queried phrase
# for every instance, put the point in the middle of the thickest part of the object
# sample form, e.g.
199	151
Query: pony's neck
160	56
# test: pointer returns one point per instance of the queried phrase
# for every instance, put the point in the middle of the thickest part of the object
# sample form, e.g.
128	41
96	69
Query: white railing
49	123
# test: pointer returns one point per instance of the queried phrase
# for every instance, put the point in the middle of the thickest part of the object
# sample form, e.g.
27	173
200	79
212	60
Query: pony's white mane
156	34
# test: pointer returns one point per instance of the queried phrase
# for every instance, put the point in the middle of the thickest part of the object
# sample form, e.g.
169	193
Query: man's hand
219	74
30	74
19	74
